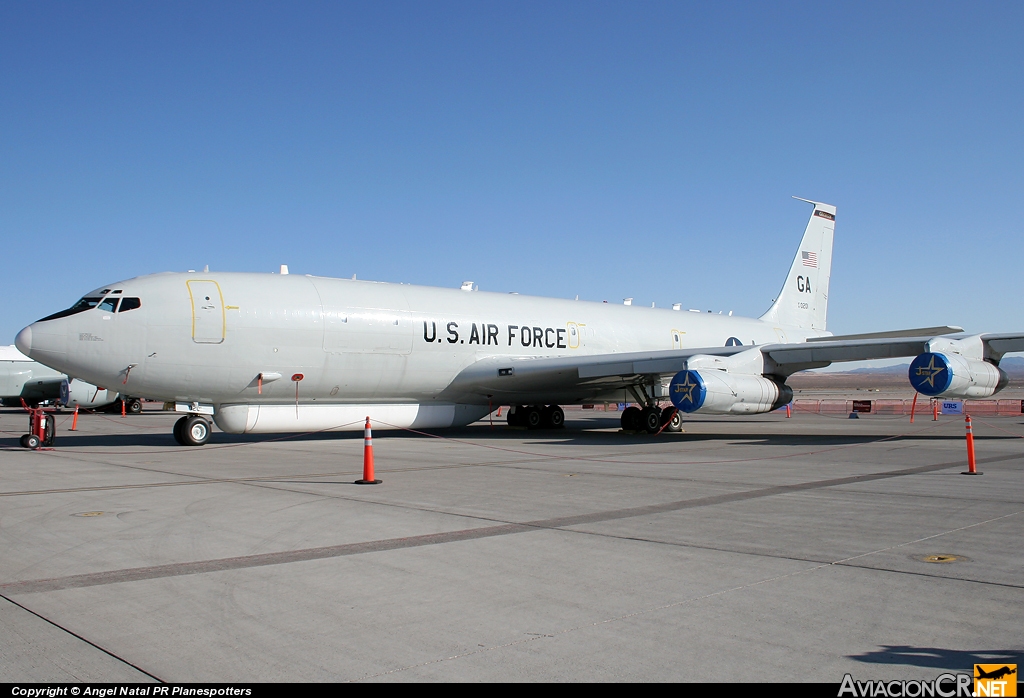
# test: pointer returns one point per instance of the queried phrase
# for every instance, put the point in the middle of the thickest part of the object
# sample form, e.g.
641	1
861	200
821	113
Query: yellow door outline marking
579	334
223	315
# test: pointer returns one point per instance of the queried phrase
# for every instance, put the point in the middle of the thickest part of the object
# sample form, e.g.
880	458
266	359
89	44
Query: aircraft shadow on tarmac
590	434
936	658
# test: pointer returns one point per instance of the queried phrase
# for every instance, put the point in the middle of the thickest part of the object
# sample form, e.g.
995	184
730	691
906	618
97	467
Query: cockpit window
108	304
129	304
82	305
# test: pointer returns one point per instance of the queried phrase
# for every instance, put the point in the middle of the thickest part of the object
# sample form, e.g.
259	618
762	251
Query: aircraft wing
505	379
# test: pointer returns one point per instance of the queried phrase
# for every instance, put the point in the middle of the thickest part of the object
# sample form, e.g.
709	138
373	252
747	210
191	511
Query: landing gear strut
649	417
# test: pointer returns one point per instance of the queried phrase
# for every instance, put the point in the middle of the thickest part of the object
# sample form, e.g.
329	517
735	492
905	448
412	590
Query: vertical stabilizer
803	300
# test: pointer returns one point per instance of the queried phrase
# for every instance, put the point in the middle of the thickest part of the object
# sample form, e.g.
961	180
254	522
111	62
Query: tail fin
803	300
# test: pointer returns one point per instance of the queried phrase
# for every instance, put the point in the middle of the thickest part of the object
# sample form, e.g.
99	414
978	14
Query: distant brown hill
1013	365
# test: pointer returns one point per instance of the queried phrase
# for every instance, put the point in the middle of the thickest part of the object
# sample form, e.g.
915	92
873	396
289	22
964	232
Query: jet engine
728	385
81	394
957	368
954	375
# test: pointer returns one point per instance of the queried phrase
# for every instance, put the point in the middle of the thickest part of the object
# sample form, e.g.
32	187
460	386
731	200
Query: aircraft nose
24	341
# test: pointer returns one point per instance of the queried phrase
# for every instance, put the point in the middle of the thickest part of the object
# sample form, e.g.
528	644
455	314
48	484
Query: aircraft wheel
49	431
515	415
178	426
630	419
134	406
533	418
676	422
650	419
554	417
31	441
195	431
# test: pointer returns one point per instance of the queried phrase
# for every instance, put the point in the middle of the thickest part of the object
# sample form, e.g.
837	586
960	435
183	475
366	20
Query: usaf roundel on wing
687	391
930	374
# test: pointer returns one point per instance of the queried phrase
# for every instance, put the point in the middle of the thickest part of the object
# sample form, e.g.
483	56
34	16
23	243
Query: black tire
23	441
195	431
31	441
49	431
178	426
515	415
134	406
675	424
533	418
630	419
554	417
650	419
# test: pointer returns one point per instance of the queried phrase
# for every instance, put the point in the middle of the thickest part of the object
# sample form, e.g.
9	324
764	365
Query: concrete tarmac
744	549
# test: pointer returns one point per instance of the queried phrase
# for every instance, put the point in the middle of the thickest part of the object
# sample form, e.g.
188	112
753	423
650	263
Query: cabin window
129	304
108	305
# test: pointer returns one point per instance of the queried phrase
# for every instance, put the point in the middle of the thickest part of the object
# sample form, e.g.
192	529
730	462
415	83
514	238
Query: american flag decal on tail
810	259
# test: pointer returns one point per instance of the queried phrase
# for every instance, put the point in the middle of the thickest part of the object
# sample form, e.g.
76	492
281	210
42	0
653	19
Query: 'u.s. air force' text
488	334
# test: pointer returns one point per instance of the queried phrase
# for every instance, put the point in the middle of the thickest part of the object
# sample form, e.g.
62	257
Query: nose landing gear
192	430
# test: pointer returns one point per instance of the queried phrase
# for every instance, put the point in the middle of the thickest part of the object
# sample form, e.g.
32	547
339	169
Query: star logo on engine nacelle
927	374
686	388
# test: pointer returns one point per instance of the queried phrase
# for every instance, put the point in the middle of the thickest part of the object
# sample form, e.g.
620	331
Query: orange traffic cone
74	420
972	468
367	458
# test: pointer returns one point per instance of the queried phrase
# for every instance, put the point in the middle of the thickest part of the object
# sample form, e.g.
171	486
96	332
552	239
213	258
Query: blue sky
601	149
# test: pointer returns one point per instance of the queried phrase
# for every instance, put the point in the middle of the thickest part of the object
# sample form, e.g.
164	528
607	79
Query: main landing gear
192	430
650	418
536	416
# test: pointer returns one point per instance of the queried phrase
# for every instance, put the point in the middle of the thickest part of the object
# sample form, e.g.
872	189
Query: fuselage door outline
209	323
677	339
575	332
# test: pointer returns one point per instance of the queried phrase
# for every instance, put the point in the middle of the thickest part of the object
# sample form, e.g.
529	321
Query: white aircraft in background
285	353
21	378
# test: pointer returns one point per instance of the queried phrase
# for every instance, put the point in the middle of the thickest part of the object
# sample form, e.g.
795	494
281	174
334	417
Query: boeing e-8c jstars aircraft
277	353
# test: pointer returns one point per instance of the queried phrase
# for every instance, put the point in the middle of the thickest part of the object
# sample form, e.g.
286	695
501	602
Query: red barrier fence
891	407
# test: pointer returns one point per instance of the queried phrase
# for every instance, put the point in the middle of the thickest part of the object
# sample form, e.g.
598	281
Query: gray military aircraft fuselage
263	339
278	352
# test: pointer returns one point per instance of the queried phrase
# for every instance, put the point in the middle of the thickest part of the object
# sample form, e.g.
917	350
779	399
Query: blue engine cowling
953	375
720	392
